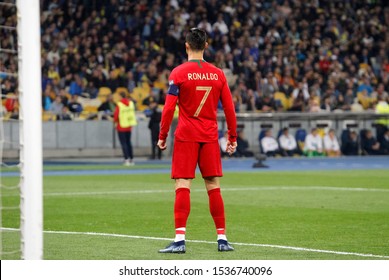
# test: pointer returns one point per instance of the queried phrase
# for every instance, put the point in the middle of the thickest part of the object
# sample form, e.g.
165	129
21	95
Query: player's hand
231	147
162	144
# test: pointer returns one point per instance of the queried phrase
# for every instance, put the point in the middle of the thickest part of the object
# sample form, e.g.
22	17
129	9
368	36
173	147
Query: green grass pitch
324	215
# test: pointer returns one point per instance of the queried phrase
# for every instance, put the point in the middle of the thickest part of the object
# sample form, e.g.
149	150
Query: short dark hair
122	94
196	38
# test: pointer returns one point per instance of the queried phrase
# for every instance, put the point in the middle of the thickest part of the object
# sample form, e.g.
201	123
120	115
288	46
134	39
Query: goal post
30	116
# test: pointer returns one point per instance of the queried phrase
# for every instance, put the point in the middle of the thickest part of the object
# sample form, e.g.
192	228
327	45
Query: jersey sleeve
170	106
173	84
229	112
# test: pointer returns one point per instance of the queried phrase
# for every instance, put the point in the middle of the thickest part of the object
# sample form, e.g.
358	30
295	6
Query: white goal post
30	115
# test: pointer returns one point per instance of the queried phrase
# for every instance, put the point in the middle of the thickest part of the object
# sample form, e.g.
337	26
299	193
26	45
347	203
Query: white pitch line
210	242
106	192
286	188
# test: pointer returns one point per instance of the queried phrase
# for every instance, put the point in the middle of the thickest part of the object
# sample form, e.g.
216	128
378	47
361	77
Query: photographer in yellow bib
125	119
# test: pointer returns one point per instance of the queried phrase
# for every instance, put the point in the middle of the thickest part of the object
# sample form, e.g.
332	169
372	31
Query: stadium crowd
278	55
281	55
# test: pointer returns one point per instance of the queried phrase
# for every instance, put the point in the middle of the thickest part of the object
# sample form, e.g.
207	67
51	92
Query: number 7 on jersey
207	91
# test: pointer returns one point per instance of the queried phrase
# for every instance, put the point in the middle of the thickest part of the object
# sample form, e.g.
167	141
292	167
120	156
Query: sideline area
146	166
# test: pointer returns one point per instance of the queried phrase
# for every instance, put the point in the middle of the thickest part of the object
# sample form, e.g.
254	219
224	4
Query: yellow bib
127	116
383	108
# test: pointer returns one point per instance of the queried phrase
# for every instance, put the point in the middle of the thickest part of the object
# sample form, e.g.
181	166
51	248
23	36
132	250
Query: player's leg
184	163
181	207
181	214
216	205
211	170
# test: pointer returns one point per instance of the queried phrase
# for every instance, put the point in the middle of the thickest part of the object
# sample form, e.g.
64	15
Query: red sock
181	207
216	207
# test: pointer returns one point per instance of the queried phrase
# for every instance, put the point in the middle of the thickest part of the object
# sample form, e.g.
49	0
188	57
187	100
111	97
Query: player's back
200	87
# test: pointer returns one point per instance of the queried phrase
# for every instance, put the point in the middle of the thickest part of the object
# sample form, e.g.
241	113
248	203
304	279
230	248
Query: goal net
21	218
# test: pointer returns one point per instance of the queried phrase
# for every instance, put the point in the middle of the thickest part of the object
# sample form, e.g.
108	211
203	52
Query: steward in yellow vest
124	115
125	118
382	108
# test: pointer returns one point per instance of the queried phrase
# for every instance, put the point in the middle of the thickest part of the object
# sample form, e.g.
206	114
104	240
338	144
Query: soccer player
197	87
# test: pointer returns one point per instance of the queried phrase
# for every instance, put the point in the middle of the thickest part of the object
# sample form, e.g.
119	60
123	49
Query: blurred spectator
242	150
345	101
74	106
288	144
313	145
298	104
64	97
113	82
356	107
150	98
385	143
287	86
220	25
154	126
91	90
270	145
57	106
365	86
107	108
266	103
314	106
381	92
351	145
307	46
76	86
46	100
65	114
7	87
371	145
250	102
328	104
12	105
237	99
12	102
130	82
365	100
382	125
302	88
270	84
331	144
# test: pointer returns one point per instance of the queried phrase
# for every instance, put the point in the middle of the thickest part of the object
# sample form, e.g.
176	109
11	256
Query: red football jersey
197	86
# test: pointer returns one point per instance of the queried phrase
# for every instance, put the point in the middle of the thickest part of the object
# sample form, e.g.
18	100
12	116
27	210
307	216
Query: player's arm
168	114
229	112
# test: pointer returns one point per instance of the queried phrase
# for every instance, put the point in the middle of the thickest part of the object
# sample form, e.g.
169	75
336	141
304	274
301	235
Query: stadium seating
48	116
139	94
283	99
103	93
